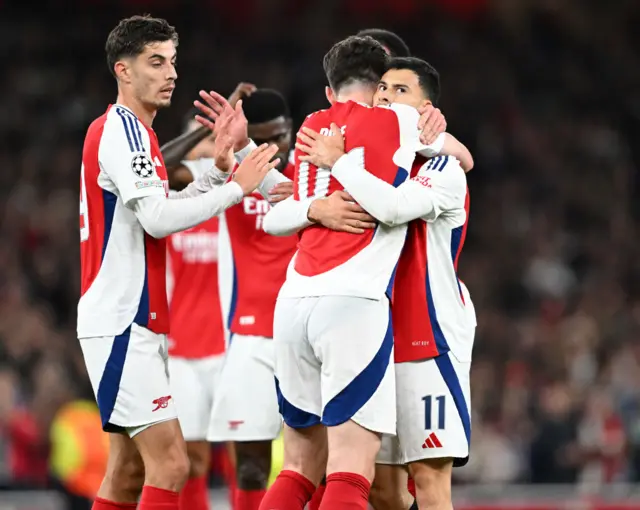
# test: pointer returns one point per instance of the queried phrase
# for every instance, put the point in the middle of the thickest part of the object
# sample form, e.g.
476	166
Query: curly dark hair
131	35
355	59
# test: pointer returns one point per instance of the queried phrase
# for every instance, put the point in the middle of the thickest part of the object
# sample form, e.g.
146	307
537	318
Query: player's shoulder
122	126
318	118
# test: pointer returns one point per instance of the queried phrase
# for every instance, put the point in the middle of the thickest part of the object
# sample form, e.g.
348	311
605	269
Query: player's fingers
219	99
304	148
209	112
266	154
205	122
270	165
335	129
211	102
363	219
343	195
309	132
306	139
239	106
282	188
351	229
425	115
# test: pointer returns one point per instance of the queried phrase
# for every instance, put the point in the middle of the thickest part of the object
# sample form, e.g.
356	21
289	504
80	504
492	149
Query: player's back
339	263
196	319
432	309
123	269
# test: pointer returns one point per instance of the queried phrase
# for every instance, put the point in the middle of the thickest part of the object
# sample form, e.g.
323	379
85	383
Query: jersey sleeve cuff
243	153
429	151
346	162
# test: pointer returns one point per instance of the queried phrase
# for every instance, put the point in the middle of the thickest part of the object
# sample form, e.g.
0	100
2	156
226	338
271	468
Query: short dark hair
428	77
390	40
131	35
355	59
265	105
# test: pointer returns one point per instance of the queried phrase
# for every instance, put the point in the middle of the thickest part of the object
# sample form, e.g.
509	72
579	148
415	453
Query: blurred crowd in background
545	93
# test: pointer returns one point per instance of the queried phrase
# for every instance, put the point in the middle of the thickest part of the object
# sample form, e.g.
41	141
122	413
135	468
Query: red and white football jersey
431	308
339	263
252	264
123	269
194	301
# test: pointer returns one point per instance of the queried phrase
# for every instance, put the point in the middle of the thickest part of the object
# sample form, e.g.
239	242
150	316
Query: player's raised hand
242	90
280	192
223	146
431	124
321	150
255	166
339	212
218	107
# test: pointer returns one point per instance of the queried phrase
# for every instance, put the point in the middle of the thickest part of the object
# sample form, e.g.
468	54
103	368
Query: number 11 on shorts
428	411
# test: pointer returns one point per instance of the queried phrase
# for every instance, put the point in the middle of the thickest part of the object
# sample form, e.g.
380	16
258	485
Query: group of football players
313	290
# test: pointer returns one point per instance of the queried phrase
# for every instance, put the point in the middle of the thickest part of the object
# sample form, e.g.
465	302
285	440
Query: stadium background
545	93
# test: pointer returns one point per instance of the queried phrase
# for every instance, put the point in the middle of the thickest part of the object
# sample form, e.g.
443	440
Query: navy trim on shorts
357	393
294	417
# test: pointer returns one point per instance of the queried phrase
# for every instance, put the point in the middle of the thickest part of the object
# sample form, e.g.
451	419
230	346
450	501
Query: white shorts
334	362
245	406
433	399
193	384
130	378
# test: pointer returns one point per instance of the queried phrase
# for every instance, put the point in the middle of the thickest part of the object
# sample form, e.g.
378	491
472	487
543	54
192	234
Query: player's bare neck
357	93
145	113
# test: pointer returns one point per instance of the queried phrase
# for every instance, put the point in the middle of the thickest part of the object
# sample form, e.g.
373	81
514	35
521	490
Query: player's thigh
193	395
245	406
433	409
130	379
353	339
297	369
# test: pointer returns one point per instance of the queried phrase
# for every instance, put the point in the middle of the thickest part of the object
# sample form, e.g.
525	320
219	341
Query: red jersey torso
196	319
253	266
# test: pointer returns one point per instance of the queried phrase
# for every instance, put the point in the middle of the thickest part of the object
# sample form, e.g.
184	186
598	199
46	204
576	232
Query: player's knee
126	479
252	472
433	483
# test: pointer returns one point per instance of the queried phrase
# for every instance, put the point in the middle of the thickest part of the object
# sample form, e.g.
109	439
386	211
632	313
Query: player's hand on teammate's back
431	124
280	192
321	150
218	107
242	90
339	212
255	166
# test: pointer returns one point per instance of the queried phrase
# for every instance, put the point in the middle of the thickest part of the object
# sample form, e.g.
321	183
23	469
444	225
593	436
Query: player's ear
123	71
328	91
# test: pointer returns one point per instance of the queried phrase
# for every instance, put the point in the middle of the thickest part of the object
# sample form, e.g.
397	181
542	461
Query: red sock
194	494
158	499
316	499
248	500
346	491
290	491
411	487
103	504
